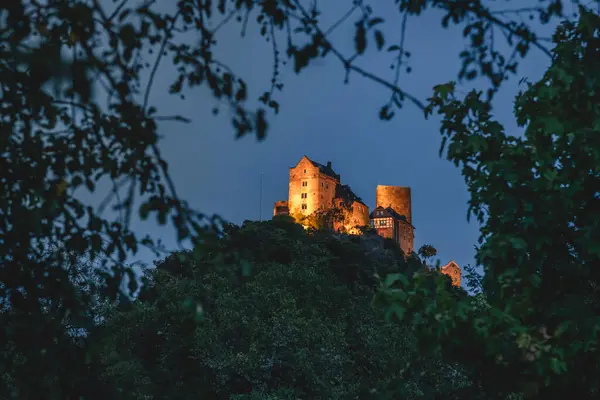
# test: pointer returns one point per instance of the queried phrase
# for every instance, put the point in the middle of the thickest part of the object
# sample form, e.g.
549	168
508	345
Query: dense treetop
295	322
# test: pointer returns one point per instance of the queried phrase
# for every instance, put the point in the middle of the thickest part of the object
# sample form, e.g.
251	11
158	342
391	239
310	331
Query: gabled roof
347	195
324	169
381	212
389	212
451	264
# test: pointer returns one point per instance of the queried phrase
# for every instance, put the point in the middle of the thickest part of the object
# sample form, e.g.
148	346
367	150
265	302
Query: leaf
390	279
375	21
360	38
385	114
395	310
144	210
444	90
379	40
61	188
90	184
562	328
558	366
261	125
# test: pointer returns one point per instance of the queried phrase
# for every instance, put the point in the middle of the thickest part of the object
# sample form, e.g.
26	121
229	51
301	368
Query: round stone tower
396	197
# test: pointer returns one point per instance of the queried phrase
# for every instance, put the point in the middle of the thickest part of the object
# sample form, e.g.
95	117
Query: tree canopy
295	323
537	198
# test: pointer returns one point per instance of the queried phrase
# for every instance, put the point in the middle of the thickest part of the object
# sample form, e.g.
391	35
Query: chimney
329	164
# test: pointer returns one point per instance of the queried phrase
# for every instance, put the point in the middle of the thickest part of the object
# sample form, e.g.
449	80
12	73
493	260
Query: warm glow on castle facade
315	189
453	271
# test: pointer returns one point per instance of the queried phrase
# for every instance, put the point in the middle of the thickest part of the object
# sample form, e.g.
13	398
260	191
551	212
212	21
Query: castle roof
325	169
389	212
347	195
451	264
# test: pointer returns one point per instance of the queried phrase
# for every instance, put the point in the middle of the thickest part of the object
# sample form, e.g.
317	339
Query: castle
315	189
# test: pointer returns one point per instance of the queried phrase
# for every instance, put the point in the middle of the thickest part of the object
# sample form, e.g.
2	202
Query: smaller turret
281	208
453	271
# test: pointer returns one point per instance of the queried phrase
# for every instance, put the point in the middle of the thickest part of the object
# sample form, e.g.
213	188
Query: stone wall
453	271
406	238
303	172
353	216
281	208
387	233
319	189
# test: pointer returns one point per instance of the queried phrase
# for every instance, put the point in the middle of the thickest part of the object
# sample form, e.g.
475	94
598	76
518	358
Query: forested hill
270	311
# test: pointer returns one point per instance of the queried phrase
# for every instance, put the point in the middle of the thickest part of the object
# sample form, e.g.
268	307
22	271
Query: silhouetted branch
157	61
340	21
347	63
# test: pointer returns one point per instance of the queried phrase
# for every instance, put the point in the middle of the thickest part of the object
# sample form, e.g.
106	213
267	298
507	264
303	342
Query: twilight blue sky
327	120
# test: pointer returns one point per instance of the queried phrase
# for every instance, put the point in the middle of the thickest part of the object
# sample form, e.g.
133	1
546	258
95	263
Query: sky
327	120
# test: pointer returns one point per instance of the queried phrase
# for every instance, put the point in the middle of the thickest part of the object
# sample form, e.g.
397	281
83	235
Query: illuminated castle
316	189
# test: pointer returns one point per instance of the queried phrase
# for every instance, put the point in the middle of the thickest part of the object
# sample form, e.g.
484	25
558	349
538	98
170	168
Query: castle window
304	171
304	183
322	184
383	223
304	206
304	195
327	186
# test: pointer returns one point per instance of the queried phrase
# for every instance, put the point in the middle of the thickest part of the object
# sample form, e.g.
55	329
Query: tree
426	252
52	330
296	324
537	199
76	86
325	219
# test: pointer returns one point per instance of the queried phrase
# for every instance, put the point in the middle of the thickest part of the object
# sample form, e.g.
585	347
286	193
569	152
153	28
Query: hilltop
295	321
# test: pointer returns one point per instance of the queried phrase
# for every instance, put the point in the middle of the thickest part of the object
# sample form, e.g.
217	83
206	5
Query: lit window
304	206
304	196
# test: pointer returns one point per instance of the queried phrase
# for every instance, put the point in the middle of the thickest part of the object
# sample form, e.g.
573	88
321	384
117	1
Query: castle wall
453	271
406	238
326	191
397	197
317	188
281	208
387	233
356	215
